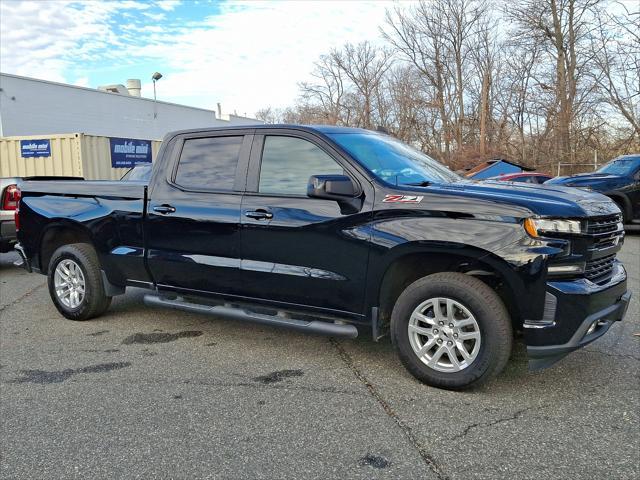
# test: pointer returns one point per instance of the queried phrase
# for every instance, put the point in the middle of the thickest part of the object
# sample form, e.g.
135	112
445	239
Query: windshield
621	166
393	161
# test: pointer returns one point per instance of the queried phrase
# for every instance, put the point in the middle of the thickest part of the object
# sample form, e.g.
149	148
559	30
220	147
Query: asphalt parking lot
152	393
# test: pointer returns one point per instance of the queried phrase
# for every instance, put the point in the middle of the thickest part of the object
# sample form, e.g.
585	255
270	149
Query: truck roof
311	128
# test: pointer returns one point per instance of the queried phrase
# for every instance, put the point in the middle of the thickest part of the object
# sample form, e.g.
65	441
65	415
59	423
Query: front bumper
577	312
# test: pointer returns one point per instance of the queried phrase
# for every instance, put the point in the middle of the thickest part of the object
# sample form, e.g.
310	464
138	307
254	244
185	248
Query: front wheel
451	331
75	282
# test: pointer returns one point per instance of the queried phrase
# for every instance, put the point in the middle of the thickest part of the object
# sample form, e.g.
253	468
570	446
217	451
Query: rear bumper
577	312
7	234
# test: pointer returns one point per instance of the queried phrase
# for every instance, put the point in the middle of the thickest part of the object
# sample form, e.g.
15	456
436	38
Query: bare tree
328	90
485	53
561	27
518	97
559	83
615	48
365	66
417	34
464	19
268	115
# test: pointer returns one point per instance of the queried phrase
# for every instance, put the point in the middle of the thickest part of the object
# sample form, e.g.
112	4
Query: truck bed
94	188
108	214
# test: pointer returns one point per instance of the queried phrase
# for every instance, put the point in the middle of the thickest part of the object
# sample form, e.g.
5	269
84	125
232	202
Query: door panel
193	227
303	251
196	247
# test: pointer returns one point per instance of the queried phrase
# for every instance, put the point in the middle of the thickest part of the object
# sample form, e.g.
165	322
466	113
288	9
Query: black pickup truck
338	231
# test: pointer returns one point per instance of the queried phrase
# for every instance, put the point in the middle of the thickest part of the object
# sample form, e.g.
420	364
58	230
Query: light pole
155	77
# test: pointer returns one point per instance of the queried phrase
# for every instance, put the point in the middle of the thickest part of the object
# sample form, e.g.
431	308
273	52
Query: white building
37	107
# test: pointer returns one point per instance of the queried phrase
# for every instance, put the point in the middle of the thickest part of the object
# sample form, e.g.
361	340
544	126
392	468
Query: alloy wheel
444	334
69	283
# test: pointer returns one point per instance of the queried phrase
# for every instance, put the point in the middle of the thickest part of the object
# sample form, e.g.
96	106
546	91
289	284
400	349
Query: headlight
537	226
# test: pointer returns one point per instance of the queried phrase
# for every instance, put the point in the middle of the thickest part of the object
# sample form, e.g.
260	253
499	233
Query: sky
246	55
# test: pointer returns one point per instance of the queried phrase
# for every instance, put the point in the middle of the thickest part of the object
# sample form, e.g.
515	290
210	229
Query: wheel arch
57	233
408	262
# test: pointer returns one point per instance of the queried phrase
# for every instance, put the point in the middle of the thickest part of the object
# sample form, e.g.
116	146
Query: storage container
71	155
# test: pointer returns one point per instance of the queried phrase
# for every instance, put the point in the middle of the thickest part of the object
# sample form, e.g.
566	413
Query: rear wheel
75	282
451	331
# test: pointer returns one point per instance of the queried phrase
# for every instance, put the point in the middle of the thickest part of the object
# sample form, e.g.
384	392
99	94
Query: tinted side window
209	163
522	179
287	164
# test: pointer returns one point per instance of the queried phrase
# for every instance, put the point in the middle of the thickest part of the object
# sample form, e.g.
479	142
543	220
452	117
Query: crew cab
618	179
338	231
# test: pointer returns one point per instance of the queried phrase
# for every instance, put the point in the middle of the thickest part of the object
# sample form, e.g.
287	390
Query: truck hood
601	182
518	198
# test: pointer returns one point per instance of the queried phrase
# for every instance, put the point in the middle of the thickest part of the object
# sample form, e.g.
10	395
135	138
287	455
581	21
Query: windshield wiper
424	183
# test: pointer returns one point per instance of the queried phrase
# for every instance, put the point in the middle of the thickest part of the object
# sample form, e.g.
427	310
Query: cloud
44	39
253	55
244	54
81	82
155	16
168	5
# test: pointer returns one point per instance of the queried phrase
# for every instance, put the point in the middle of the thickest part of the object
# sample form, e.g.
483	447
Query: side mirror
331	187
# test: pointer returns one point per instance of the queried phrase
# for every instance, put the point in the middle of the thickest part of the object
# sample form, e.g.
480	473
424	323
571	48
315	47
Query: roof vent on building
134	86
114	88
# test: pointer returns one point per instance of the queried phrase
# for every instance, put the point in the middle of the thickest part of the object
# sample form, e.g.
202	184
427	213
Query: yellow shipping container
72	155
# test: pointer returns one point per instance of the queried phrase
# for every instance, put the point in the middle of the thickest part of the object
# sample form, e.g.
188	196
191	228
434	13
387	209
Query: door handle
164	209
259	214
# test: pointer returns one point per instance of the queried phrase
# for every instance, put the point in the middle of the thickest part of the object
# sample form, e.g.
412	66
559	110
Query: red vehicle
525	177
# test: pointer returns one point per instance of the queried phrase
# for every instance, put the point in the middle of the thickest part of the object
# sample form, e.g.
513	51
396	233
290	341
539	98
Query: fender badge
402	199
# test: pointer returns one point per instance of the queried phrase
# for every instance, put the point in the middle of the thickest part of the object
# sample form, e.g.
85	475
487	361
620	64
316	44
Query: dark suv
619	180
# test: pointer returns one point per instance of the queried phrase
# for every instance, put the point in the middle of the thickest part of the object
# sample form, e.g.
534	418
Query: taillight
11	197
11	201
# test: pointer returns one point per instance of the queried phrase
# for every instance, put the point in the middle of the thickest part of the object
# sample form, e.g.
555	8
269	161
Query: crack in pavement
589	350
24	295
515	416
373	391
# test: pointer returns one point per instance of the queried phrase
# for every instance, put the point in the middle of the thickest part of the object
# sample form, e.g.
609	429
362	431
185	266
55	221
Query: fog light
565	269
592	328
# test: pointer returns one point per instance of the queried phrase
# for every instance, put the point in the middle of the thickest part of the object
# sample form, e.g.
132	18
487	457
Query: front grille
603	224
600	269
605	231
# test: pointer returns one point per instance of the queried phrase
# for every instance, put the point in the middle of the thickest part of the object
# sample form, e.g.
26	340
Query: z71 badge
402	199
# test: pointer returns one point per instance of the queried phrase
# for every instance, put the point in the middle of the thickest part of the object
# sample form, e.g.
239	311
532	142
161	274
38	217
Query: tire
472	301
93	301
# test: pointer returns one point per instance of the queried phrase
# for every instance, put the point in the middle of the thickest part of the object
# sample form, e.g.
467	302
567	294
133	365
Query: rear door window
209	163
